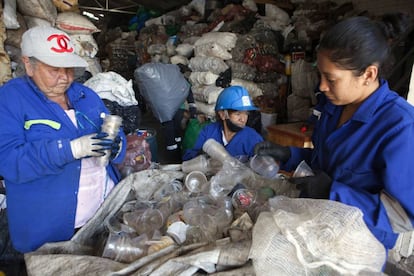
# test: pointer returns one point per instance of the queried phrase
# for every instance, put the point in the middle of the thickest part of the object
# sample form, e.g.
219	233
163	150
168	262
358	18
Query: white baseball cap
51	46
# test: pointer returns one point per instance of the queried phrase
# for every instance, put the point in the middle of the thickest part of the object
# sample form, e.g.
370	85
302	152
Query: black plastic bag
131	115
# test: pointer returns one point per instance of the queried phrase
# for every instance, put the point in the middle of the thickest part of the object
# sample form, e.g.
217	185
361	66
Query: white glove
87	146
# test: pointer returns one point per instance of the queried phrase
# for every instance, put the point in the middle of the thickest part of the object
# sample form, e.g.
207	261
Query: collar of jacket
368	107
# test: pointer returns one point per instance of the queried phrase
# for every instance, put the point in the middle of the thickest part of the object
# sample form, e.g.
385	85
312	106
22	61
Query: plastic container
110	125
150	135
196	182
216	150
168	189
303	170
267	119
199	163
244	199
200	212
144	221
125	248
264	165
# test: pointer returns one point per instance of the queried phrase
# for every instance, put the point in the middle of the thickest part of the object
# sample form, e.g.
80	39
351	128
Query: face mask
233	127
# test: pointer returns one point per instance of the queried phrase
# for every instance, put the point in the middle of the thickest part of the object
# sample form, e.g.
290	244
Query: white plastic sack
250	4
226	39
75	23
198	5
185	49
304	79
212	49
314	237
164	87
202	78
113	87
253	89
9	15
206	109
14	36
178	59
273	11
206	93
38	8
204	64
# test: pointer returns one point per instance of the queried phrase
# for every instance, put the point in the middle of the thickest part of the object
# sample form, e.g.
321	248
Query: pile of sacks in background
234	45
21	15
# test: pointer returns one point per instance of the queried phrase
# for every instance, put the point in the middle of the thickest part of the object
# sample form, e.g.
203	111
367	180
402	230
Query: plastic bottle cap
177	231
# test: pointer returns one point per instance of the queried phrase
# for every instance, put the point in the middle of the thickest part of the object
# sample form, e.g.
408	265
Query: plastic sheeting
164	87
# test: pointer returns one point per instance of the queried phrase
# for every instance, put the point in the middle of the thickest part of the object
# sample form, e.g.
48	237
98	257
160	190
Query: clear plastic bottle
110	125
216	150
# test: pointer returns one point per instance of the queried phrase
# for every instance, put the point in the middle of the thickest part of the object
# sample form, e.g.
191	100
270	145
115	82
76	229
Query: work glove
116	147
317	186
94	144
278	152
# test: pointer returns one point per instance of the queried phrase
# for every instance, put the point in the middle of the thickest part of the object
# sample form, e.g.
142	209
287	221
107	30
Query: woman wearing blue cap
232	109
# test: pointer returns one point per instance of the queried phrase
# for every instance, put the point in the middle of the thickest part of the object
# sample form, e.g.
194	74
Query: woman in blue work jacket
51	142
230	130
363	136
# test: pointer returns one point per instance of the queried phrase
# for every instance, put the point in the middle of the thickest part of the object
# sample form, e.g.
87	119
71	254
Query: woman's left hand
317	186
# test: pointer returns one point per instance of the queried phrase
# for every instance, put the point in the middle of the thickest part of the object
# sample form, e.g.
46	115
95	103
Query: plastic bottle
110	125
216	150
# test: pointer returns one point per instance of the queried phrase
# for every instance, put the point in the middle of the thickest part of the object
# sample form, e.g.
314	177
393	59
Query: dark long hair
356	43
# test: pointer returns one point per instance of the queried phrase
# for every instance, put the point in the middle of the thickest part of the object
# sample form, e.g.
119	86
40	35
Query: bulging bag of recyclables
163	86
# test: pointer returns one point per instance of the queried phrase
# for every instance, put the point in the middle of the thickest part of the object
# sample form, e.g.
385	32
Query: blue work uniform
242	143
370	153
41	175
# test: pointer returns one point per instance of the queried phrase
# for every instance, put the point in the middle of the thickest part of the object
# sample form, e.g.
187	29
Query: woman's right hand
94	144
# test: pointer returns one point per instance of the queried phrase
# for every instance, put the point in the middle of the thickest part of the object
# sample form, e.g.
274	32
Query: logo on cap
62	42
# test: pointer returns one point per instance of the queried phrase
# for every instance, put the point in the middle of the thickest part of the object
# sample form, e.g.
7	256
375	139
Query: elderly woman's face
53	81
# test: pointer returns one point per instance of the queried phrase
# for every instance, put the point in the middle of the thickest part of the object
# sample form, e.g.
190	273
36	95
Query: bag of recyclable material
138	155
314	237
75	23
9	15
204	64
38	8
163	86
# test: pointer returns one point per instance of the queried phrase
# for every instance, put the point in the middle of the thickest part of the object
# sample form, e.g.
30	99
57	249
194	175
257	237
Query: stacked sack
21	15
80	29
5	72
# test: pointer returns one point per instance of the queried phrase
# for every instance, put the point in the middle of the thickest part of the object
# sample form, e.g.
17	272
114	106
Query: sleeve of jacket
395	180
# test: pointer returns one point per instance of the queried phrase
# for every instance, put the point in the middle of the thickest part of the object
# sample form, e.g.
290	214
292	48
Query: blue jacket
371	152
41	175
241	144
